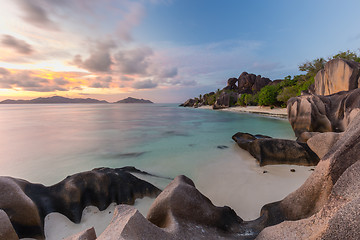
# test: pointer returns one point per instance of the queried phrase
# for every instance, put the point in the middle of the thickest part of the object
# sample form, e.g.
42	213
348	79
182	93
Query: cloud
46	89
131	19
101	82
28	81
61	81
168	73
134	61
126	79
146	84
36	15
99	59
17	44
4	71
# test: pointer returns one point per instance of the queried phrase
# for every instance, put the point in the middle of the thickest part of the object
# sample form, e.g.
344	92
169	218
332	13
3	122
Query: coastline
261	110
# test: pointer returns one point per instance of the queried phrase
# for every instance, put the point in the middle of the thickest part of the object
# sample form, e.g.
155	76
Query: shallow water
45	143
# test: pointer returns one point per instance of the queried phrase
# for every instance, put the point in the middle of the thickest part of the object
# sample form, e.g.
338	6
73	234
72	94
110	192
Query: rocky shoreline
326	206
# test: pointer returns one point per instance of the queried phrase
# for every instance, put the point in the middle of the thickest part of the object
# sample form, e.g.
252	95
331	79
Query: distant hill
133	100
54	99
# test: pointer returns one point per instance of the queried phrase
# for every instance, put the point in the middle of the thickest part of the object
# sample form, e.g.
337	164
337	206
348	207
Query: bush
268	94
240	101
348	55
287	93
211	99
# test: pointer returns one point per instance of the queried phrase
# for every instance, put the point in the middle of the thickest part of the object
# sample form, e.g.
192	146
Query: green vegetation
348	55
278	94
268	95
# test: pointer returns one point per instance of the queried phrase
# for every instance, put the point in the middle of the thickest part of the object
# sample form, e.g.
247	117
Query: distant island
133	100
58	99
54	99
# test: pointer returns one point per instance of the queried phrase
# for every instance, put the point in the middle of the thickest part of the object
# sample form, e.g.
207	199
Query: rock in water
29	203
276	151
337	75
189	103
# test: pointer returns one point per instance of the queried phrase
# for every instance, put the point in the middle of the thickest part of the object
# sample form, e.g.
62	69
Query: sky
162	50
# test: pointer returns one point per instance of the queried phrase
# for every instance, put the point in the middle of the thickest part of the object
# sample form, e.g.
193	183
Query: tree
286	94
268	94
348	55
312	68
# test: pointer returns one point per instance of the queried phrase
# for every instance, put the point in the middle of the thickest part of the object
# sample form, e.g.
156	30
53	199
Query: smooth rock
88	234
231	84
188	214
338	75
305	136
333	113
226	99
6	229
28	203
22	211
128	223
326	206
188	103
250	83
276	151
321	143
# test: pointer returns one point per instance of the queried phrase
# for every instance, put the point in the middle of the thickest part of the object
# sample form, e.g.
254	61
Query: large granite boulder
226	99
128	223
326	206
188	103
6	229
269	150
250	83
321	143
27	203
88	234
182	204
332	113
179	212
337	75
231	84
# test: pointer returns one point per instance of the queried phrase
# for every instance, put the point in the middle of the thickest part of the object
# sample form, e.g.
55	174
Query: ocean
44	143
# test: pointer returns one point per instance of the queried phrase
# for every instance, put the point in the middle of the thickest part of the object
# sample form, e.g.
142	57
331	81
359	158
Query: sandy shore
267	111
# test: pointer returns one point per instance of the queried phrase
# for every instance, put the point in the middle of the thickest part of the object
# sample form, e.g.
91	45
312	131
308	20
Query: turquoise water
45	143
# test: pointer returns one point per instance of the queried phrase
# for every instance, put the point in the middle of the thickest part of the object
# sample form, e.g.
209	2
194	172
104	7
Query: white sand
281	112
58	226
275	112
238	181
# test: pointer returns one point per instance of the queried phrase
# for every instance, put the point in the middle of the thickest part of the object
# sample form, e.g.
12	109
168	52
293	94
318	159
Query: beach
262	110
